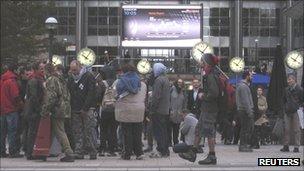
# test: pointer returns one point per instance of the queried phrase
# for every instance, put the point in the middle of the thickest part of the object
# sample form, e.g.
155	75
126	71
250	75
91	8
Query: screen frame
199	7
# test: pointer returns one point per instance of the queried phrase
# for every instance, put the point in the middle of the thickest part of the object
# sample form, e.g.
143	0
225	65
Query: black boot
68	158
211	159
285	148
245	148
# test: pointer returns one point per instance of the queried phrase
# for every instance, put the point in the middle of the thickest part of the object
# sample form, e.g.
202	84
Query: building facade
251	29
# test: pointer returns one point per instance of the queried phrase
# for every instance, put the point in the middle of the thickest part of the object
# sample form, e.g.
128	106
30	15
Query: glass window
273	22
113	11
263	52
224	31
92	11
264	13
62	30
254	12
72	21
264	32
245	31
273	31
214	31
214	21
92	21
224	12
72	11
224	51
216	51
92	30
245	22
254	31
224	21
113	20
254	22
102	20
272	12
102	31
245	12
264	21
103	11
62	11
113	31
214	12
72	30
63	20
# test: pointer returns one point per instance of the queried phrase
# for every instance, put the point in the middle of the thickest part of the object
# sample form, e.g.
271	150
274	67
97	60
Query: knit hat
210	59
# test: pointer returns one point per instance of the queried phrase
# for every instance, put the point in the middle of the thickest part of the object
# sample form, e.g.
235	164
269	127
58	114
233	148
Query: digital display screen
161	26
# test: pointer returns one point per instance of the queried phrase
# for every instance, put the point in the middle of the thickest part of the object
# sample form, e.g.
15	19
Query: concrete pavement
228	158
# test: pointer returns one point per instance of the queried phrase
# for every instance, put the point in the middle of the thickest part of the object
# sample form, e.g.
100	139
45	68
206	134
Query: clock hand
89	53
237	64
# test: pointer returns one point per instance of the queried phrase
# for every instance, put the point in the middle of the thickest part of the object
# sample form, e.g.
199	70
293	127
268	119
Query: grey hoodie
244	97
187	128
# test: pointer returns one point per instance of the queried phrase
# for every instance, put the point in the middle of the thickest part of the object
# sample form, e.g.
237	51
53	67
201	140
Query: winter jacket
128	82
209	105
83	92
160	101
57	98
131	108
293	94
187	128
177	104
34	95
244	98
9	92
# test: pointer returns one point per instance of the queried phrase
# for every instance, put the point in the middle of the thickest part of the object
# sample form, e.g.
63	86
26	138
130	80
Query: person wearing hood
11	105
130	110
160	103
82	86
33	103
56	103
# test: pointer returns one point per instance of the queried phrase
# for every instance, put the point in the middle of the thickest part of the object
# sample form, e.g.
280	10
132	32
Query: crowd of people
98	116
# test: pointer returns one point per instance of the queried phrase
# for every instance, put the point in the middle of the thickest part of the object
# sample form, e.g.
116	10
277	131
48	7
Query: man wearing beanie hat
160	110
209	107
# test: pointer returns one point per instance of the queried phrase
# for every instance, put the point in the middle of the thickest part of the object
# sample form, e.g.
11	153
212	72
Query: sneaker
140	157
79	156
111	154
296	150
124	157
285	148
210	159
67	159
148	149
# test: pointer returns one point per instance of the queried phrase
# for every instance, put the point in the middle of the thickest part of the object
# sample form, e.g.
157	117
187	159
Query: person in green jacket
57	104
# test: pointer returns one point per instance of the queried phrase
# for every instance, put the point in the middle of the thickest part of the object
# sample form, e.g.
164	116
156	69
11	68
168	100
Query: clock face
143	66
56	60
294	60
200	49
237	64
86	57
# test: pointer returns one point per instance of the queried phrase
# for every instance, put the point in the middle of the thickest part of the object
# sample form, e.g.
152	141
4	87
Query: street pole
51	36
256	52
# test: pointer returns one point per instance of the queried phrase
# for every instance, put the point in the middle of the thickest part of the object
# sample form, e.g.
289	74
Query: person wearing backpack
245	108
209	107
292	102
130	110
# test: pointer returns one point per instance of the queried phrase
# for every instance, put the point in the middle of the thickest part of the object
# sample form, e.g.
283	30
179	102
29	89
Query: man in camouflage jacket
57	104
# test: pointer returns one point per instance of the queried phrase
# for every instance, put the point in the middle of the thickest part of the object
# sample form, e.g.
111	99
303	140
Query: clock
294	60
143	66
199	50
86	57
57	60
237	64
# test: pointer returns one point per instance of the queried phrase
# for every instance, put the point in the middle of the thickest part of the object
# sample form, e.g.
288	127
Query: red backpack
226	100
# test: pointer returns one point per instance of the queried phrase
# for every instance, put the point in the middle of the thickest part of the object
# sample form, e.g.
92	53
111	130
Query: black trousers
173	130
108	135
30	134
132	133
160	131
247	125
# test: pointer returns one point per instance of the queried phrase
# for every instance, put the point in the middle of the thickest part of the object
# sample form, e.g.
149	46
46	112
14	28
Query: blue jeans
160	131
9	124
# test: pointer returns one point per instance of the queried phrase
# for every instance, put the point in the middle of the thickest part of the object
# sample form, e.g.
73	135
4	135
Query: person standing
194	102
83	103
57	104
160	103
11	105
130	110
245	107
209	107
177	103
293	100
32	110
